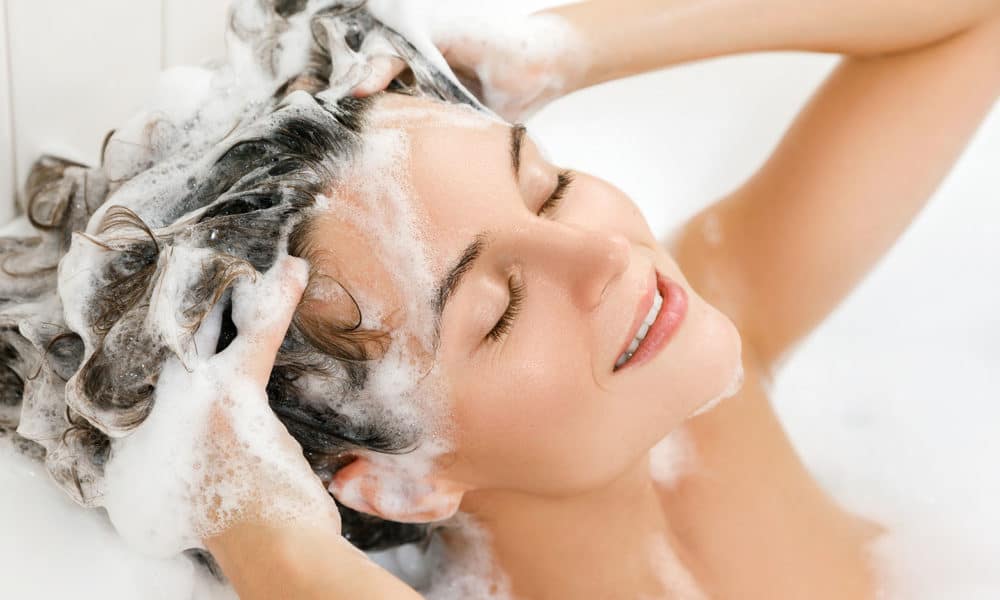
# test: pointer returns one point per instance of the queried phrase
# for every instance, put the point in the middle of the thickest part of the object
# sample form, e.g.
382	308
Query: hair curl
79	359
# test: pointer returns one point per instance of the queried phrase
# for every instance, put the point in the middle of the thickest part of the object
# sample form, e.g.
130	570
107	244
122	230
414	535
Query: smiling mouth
654	311
666	312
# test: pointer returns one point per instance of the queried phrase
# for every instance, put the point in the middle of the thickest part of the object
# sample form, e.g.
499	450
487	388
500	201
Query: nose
584	261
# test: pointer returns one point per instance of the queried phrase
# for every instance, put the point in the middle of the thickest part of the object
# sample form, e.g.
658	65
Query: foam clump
88	558
520	62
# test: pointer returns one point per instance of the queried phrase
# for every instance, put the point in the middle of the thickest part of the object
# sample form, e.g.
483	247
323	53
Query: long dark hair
78	361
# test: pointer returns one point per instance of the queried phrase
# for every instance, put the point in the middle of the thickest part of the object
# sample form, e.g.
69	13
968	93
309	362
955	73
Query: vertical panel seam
11	121
163	34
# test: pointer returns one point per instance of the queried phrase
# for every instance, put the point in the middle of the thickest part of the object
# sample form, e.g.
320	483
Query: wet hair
81	289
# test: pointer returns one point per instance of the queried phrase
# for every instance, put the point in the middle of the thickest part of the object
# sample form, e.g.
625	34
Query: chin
702	367
727	371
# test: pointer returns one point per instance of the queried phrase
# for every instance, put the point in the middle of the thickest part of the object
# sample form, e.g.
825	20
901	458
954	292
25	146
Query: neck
613	542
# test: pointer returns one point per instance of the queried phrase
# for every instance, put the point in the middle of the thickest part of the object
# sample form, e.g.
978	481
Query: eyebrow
517	132
450	282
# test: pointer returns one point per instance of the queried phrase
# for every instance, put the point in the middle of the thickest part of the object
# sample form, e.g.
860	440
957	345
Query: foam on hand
212	448
526	61
520	61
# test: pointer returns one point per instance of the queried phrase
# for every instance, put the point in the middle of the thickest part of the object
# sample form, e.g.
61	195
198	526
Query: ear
394	493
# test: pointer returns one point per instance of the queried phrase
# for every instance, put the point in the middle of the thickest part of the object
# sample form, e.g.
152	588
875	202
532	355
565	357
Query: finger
206	338
465	52
384	68
262	312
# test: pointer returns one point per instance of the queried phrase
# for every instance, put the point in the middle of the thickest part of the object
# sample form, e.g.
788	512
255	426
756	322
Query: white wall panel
78	69
7	187
193	31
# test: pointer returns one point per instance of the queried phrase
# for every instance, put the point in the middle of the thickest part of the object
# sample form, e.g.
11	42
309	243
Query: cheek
539	423
600	205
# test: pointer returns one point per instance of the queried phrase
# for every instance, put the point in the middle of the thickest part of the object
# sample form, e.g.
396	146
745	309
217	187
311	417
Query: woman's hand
514	64
260	509
252	469
212	454
267	518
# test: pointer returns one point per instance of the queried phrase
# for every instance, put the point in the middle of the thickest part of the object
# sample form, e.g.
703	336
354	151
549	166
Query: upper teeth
643	330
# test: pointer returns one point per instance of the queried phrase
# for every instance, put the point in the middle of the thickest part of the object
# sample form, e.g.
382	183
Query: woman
543	281
748	521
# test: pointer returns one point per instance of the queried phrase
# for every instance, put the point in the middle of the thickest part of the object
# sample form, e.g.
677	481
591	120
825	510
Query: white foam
19	227
413	20
711	230
419	117
734	388
403	386
402	481
672	458
210	444
381	179
674	575
473	573
524	61
176	278
53	549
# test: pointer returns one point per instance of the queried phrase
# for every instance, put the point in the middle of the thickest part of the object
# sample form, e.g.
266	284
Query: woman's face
534	299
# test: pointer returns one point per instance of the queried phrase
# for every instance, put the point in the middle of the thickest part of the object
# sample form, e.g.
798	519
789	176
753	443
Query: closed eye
563	182
506	321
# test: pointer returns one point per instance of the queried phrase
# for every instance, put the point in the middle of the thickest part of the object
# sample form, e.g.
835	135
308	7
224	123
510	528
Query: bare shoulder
745	483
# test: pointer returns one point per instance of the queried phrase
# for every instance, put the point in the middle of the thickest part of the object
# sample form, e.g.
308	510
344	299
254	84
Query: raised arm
627	37
301	561
856	166
851	173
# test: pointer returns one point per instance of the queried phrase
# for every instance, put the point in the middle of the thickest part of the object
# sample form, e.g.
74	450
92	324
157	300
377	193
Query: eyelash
565	180
516	287
513	308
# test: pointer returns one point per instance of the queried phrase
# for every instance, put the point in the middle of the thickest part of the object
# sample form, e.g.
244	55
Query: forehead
428	179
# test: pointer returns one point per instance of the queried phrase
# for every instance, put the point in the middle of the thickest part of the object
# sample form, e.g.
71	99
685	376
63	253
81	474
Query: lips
667	322
647	322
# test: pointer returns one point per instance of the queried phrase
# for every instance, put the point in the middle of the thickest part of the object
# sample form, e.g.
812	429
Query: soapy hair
122	262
